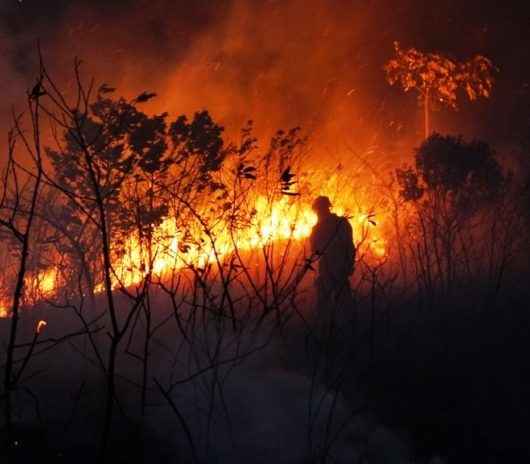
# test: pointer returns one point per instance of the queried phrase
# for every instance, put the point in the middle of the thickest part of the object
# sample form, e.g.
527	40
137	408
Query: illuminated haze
315	64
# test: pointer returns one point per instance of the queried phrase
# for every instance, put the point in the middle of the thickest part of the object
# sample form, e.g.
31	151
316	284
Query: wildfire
283	220
39	285
280	221
47	281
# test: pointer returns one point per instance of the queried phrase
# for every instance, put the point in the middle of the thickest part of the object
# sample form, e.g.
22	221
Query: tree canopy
437	78
465	173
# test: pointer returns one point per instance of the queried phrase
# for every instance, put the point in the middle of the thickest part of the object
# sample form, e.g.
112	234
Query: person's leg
324	308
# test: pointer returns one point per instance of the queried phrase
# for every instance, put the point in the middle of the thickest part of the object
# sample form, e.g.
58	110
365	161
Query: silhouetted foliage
464	173
119	139
131	155
200	138
408	181
453	189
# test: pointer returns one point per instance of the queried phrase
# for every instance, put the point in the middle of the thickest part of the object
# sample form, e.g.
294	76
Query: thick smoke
313	64
280	63
316	64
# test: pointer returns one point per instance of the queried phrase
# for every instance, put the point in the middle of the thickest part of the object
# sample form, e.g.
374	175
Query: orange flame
42	284
4	311
282	220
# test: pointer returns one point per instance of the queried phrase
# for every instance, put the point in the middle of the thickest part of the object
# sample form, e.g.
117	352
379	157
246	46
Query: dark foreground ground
449	381
460	384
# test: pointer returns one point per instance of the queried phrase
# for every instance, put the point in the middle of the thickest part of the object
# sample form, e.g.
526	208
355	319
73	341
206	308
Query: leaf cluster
465	173
439	76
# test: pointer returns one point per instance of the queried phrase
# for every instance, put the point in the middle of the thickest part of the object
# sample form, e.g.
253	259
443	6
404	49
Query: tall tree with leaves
437	78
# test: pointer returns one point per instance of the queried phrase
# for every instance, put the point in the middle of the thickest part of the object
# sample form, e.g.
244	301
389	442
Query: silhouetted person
332	240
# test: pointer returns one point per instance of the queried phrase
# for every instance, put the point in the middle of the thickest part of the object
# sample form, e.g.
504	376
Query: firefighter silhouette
332	241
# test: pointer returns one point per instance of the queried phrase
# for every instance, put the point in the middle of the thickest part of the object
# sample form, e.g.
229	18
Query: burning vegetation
164	196
160	248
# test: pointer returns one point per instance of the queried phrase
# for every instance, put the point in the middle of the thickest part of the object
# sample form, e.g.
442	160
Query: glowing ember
40	325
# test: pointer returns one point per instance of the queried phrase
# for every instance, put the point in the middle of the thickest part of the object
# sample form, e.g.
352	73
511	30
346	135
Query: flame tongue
284	219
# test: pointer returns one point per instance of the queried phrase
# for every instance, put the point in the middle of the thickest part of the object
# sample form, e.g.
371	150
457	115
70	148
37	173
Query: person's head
321	206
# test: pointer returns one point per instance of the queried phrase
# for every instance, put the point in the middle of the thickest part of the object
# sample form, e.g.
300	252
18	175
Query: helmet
321	203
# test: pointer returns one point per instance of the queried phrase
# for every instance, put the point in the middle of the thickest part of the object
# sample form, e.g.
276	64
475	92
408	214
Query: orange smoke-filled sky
310	63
